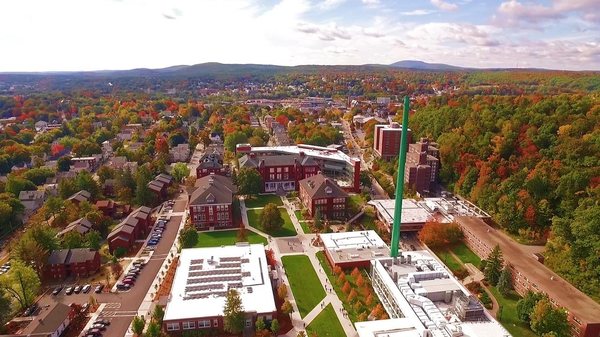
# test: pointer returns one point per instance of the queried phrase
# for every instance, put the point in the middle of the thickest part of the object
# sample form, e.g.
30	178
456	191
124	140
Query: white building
423	299
202	279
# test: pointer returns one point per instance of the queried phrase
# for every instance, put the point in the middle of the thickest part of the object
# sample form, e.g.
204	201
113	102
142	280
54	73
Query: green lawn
263	200
287	229
448	260
225	238
299	215
466	255
304	282
355	203
326	324
509	318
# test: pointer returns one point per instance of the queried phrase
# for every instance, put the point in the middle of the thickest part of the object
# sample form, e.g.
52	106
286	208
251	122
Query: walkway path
310	251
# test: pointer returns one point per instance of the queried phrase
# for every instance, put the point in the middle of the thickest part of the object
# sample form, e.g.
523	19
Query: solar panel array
204	283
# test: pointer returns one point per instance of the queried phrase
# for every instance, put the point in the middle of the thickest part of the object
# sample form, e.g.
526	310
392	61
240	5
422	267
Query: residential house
32	200
210	163
136	225
80	196
81	226
51	321
77	262
320	193
107	207
180	153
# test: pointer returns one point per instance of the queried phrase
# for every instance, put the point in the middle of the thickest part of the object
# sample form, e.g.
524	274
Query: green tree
22	284
15	185
137	325
545	318
180	171
63	164
188	237
38	175
72	239
275	326
158	314
249	181
93	239
526	304
493	267
85	181
318	221
233	313
260	324
505	281
5	310
153	330
53	206
234	138
270	218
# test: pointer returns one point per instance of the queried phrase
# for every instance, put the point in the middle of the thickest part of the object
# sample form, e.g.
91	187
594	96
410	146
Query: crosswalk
112	310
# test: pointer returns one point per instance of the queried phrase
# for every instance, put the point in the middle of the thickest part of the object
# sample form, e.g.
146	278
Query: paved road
121	307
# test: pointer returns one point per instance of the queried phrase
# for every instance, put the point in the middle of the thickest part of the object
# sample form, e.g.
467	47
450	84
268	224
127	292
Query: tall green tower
400	180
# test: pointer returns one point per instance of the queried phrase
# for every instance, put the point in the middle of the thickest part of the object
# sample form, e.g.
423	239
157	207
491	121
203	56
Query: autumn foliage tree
436	234
346	288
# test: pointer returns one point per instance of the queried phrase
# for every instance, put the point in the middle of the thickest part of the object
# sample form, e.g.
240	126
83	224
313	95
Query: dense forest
533	162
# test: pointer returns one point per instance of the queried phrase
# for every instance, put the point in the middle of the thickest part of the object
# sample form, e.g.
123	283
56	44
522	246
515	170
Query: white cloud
371	2
417	12
446	33
443	5
514	12
330	4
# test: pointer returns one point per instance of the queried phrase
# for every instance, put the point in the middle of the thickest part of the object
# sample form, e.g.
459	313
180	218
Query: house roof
48	320
82	195
81	225
213	189
211	160
105	203
58	256
67	256
319	186
276	160
32	195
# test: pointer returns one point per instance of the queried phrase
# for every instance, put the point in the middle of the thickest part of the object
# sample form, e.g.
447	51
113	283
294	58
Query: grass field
287	229
299	215
508	317
263	200
224	238
326	324
466	255
448	260
304	282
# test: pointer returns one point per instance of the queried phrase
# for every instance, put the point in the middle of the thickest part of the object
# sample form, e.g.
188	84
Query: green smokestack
400	180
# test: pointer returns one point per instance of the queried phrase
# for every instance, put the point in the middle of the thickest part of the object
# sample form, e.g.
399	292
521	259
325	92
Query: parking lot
121	307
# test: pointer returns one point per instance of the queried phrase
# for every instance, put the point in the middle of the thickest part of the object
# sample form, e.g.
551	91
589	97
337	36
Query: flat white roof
412	212
310	150
397	327
354	246
204	275
426	293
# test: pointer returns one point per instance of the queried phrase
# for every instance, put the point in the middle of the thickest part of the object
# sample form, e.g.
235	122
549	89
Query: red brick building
78	262
135	226
211	204
322	193
281	172
386	141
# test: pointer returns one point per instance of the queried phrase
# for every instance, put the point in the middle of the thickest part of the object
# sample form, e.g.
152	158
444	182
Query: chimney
252	155
302	154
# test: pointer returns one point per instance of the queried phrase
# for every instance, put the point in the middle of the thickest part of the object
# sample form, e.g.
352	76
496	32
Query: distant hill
420	65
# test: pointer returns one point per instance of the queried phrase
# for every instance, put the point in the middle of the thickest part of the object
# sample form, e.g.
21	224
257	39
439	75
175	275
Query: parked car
94	331
135	269
123	286
102	321
100	327
69	291
85	306
128	281
86	288
77	289
31	310
57	290
99	288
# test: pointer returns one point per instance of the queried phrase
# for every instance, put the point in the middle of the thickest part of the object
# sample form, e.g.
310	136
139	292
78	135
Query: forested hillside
533	162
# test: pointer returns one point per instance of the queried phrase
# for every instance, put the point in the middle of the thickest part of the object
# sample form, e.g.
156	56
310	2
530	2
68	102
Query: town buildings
81	226
136	225
348	250
282	167
77	262
211	204
51	321
180	153
211	162
422	166
321	194
386	141
201	282
530	274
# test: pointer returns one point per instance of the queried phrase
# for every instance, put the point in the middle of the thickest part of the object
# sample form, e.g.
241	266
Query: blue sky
41	35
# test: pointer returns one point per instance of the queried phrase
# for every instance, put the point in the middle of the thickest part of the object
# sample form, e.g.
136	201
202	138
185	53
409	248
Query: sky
71	35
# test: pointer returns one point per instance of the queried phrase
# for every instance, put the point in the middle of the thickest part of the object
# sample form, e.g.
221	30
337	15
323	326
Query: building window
189	325
204	324
172	326
248	323
215	323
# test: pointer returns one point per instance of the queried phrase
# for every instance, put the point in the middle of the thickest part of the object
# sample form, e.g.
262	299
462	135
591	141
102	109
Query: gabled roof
32	195
211	160
213	189
82	195
319	186
48	320
75	255
58	256
81	225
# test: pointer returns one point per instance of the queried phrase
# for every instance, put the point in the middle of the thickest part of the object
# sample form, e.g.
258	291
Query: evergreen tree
526	304
275	326
493	267
505	281
137	325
